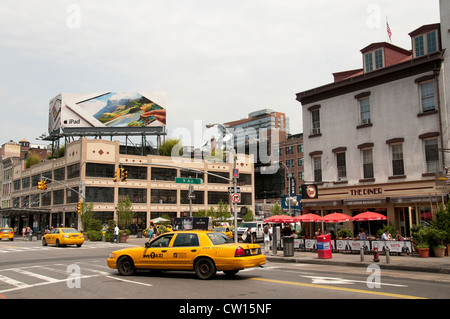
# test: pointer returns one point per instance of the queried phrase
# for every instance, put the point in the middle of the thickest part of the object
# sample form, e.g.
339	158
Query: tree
125	213
172	147
276	209
249	216
86	215
32	159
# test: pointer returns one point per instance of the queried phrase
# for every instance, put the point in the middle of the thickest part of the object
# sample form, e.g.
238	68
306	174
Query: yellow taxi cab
224	229
6	232
204	252
63	236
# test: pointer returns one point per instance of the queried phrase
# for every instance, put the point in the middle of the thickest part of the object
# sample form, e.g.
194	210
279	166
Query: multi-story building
89	166
291	156
260	135
375	139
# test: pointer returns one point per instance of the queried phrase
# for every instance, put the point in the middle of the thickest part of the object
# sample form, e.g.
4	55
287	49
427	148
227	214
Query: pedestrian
116	234
249	237
386	235
155	230
266	239
362	235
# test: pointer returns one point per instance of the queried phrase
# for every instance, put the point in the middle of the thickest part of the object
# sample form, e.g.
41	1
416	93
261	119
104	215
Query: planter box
123	238
439	252
423	252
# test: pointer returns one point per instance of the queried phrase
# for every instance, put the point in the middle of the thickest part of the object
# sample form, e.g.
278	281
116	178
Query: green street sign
186	180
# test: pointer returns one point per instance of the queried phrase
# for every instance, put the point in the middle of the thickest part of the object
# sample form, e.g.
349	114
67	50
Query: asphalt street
29	270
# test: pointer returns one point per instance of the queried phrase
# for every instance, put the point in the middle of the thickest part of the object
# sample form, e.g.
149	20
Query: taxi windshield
69	230
5	229
219	229
219	238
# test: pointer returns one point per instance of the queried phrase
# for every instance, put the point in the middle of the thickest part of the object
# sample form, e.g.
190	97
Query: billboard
108	109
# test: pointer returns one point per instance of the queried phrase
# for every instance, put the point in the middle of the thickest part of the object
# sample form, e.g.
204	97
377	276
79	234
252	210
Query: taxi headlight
66	236
112	255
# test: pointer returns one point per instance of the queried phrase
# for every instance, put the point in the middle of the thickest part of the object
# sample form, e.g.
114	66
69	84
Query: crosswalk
17	278
8	248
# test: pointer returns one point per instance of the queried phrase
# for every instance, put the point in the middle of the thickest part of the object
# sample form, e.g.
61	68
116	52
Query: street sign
231	189
236	198
188	180
235	173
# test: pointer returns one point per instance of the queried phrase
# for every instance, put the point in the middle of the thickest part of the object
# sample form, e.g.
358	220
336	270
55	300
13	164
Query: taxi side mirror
147	245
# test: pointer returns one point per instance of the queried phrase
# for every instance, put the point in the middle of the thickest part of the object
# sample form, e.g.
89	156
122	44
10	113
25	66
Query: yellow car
224	229
204	252
63	236
6	232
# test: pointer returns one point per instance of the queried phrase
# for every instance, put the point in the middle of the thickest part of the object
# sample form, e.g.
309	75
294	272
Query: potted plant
421	241
123	235
436	239
442	222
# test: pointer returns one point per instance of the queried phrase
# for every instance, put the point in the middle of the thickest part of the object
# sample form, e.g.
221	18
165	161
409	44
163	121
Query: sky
217	61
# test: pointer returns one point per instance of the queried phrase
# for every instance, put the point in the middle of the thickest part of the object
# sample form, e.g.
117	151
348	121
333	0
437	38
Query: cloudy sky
217	61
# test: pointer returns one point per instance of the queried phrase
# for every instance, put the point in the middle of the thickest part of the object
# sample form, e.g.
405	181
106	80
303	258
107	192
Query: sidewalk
405	262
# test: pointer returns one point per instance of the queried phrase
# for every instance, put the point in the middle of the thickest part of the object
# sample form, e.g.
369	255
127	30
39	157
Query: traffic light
123	175
118	175
42	185
79	207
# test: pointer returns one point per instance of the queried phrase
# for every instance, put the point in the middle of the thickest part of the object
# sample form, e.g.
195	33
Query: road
29	270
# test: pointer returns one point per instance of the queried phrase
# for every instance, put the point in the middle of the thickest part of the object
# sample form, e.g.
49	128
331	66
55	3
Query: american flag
389	31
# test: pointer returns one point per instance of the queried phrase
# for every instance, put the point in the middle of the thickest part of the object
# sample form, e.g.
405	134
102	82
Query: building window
100	194
46	199
290	163
217	179
71	195
136	195
199	197
315	122
373	60
163	174
301	176
425	44
431	155
341	166
163	196
300	162
58	197
73	171
215	197
367	163
317	168
300	148
25	182
100	170
397	160
427	96
59	174
289	150
364	107
136	172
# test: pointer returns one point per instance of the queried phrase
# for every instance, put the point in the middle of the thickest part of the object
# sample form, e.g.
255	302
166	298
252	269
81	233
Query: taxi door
51	238
185	248
155	256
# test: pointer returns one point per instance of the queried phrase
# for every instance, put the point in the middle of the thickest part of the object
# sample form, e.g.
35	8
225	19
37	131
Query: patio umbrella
280	219
369	216
337	218
159	220
309	218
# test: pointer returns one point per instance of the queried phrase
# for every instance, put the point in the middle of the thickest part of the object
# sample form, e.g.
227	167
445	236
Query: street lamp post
228	137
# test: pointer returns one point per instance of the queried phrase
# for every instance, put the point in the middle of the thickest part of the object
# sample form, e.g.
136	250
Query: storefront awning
319	203
415	199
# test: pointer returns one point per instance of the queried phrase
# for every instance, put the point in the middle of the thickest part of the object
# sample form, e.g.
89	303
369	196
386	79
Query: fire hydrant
376	257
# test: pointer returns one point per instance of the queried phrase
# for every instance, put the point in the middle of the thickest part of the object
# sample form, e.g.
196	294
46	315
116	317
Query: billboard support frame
69	135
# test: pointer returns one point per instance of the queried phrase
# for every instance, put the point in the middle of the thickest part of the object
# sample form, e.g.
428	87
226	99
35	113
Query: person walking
116	234
266	239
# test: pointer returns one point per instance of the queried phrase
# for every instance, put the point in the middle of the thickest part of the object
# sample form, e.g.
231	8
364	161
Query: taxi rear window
6	230
219	238
69	230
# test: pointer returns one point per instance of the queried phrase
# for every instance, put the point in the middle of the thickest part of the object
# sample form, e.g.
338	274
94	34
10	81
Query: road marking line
339	288
133	282
16	283
35	275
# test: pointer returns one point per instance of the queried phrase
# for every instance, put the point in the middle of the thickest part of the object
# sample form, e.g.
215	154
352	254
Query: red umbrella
309	218
337	218
369	216
280	219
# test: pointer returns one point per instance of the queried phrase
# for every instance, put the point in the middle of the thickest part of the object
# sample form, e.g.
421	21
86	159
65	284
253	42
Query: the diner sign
366	191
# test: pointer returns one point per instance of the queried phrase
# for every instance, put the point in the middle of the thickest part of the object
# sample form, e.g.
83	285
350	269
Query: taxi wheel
125	266
44	242
205	268
57	243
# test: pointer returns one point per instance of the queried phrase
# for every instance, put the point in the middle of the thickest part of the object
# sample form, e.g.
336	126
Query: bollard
388	255
361	252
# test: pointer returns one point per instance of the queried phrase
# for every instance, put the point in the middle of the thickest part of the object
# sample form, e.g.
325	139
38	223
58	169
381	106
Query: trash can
288	246
39	235
139	233
324	246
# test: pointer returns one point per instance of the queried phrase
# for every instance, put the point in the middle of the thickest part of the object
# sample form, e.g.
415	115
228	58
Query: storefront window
163	196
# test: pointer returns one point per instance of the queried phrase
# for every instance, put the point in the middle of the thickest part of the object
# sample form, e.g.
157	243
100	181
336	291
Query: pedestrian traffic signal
123	175
79	207
42	185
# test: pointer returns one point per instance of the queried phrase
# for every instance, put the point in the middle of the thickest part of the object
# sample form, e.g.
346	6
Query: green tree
32	159
125	213
172	147
249	216
276	209
86	215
